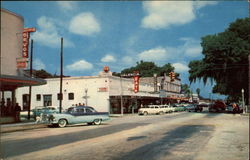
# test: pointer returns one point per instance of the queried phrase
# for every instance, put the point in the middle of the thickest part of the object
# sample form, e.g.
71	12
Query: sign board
26	36
22	62
103	89
136	84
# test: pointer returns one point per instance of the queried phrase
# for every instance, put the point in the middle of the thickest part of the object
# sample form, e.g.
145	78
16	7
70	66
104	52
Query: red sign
103	89
136	84
21	63
26	36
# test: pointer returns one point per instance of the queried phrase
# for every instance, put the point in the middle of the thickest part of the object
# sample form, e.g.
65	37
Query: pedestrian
80	104
235	108
17	112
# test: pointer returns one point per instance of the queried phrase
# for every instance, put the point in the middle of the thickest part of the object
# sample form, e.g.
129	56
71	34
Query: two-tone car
78	115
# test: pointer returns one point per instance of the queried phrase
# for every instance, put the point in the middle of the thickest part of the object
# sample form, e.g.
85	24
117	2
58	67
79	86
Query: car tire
161	112
145	113
62	123
97	121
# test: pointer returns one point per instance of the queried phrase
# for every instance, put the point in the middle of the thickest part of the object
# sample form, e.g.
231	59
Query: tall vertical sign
136	82
26	36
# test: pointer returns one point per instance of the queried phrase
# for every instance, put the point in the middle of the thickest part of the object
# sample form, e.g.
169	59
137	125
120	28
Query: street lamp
243	102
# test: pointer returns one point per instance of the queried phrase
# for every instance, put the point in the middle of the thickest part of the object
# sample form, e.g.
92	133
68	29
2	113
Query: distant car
217	106
78	115
167	108
178	107
198	107
190	108
151	109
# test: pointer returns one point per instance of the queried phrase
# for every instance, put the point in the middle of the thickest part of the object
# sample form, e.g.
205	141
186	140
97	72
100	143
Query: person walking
17	112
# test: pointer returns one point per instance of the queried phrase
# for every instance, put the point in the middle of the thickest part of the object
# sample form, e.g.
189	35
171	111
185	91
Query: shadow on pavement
162	148
18	147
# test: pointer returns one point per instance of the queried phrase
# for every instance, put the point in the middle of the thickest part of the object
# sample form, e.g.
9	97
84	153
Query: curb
8	129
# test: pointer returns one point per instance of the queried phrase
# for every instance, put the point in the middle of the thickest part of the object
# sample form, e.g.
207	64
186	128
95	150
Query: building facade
11	73
106	93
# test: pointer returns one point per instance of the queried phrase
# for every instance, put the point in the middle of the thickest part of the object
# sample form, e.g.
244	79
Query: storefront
14	59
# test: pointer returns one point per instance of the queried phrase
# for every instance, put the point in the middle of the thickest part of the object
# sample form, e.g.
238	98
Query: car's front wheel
97	121
62	123
145	113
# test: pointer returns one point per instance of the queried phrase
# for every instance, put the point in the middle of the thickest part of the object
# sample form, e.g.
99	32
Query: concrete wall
77	85
11	41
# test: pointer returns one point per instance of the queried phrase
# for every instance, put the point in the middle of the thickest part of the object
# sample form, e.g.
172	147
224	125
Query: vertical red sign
26	36
136	84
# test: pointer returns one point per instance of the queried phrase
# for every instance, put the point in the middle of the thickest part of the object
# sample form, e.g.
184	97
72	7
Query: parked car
151	109
178	107
167	108
198	107
45	110
36	112
190	108
78	115
217	106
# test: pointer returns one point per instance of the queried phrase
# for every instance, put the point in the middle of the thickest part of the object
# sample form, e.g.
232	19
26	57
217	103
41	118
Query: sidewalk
21	126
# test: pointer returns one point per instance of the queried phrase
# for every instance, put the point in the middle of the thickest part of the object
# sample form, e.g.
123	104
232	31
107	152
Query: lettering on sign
103	89
26	36
136	84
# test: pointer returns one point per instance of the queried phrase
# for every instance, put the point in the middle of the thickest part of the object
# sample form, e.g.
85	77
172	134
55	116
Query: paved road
177	136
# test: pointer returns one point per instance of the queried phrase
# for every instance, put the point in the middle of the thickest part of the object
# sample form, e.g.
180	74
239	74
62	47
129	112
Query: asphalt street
176	136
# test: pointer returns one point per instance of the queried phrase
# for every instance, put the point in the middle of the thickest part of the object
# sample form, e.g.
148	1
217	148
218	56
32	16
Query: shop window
38	97
71	96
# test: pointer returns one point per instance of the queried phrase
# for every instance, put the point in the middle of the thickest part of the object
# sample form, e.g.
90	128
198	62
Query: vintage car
178	107
36	112
167	108
77	115
151	109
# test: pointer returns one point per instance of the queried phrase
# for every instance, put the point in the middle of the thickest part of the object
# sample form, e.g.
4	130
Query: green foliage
148	69
42	74
225	59
198	91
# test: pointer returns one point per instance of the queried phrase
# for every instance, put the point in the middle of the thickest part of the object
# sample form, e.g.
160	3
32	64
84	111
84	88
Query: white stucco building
103	92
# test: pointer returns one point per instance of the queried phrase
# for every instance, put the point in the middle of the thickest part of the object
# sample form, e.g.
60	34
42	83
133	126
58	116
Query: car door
77	114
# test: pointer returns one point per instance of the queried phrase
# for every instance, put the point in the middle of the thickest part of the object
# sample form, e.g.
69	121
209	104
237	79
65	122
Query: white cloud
156	54
108	58
163	14
48	35
191	47
66	5
84	24
80	65
200	4
179	67
128	60
38	64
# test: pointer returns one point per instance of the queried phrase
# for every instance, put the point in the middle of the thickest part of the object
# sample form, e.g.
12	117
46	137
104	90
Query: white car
167	108
151	109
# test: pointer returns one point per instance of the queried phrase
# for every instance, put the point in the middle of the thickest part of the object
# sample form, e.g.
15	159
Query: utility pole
121	95
61	78
31	68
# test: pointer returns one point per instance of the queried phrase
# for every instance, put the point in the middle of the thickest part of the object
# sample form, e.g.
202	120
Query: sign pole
61	78
31	63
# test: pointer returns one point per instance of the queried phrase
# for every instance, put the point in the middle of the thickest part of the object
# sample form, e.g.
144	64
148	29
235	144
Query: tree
185	89
42	74
225	60
148	69
198	91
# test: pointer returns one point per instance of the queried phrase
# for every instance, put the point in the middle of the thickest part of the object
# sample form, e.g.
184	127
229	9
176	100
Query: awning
9	82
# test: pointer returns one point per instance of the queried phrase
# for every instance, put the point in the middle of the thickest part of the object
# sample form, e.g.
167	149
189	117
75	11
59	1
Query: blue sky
120	33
